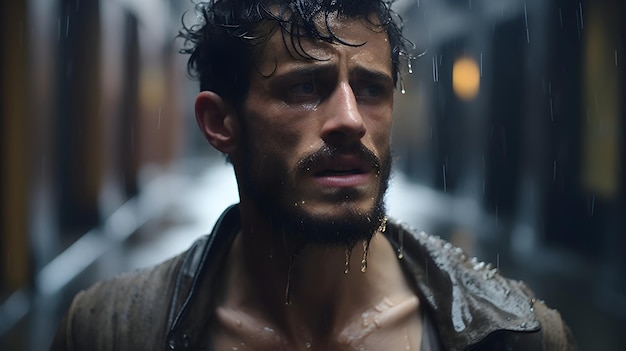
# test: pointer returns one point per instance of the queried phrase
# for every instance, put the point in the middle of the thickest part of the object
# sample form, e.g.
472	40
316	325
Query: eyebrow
326	70
371	74
305	71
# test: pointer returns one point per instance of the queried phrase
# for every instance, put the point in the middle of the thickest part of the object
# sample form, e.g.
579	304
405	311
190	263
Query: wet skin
296	107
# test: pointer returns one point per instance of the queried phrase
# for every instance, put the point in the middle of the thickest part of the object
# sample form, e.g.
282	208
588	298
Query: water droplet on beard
383	225
402	90
347	263
410	67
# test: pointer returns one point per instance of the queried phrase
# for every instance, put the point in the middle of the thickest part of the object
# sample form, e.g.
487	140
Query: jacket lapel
467	299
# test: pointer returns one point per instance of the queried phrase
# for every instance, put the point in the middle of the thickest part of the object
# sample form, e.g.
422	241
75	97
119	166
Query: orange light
466	78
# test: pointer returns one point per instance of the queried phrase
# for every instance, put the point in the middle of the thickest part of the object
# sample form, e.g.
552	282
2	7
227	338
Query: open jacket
167	307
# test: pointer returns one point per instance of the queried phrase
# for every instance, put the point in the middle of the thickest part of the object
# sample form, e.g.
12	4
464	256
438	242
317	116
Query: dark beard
287	219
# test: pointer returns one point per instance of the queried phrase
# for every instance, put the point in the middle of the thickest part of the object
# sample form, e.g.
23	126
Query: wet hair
222	46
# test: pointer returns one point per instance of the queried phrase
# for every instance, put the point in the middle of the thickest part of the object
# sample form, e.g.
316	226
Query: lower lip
343	181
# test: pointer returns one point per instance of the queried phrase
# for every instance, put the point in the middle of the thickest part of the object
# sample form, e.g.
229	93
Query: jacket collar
467	299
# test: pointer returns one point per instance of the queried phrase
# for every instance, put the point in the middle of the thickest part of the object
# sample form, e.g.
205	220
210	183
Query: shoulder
129	308
471	302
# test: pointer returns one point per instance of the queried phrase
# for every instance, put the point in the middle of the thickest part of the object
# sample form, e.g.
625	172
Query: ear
217	121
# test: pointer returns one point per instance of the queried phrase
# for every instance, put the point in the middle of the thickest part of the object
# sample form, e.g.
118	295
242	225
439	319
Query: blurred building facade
513	115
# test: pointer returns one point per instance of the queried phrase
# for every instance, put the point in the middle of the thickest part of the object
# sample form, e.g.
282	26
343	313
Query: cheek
379	130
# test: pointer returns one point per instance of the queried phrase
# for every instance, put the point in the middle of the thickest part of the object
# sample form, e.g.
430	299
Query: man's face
316	134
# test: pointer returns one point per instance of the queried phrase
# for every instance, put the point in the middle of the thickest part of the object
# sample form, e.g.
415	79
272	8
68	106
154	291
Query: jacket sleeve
127	312
557	335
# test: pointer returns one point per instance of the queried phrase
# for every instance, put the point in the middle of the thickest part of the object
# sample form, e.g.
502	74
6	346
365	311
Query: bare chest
382	327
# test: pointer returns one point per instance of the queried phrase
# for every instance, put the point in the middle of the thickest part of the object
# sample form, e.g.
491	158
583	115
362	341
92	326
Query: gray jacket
470	305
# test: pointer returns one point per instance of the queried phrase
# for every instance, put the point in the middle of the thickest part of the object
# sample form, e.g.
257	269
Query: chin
343	224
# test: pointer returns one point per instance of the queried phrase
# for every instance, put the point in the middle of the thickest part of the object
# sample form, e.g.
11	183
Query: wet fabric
468	305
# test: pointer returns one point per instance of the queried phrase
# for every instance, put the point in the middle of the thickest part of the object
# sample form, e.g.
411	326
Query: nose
344	123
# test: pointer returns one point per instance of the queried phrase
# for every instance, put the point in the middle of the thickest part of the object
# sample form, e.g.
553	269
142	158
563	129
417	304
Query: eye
304	91
369	92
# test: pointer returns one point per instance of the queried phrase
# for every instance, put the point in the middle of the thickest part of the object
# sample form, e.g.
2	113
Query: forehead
360	41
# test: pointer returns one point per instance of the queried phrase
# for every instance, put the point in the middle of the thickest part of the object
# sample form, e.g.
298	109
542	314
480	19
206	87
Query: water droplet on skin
292	261
238	323
401	246
308	345
366	248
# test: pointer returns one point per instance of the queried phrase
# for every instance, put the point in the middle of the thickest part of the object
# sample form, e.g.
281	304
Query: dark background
103	169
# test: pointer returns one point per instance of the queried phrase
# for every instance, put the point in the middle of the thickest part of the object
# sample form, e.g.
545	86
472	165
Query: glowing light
466	78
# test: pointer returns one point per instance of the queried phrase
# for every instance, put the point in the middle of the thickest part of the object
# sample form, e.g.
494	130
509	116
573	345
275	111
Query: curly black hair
222	45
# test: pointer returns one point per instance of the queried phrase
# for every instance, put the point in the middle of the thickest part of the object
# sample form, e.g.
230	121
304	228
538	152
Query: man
299	96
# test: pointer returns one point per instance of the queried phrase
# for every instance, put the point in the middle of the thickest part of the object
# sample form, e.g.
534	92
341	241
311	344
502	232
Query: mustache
330	152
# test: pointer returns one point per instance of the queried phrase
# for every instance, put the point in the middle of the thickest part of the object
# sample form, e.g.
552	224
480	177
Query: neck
287	284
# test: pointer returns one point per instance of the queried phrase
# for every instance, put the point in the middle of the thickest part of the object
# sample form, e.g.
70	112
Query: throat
327	297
